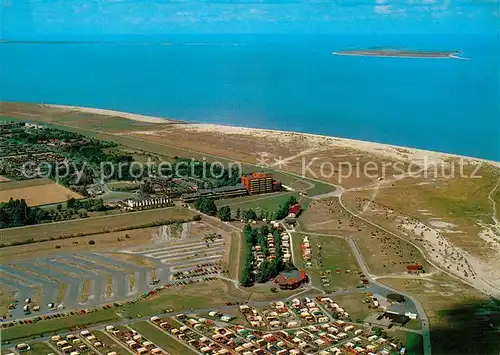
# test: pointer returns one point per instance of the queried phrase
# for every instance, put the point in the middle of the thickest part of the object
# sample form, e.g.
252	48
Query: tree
263	275
206	205
288	267
282	211
71	202
59	207
238	213
147	188
249	214
225	213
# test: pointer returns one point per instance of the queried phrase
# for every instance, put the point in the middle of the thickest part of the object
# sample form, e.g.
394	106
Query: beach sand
418	156
130	116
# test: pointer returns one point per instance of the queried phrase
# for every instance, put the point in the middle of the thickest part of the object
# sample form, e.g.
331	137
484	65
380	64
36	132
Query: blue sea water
279	82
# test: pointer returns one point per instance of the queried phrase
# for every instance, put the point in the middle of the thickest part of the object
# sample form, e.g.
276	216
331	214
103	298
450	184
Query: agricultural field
35	192
94	225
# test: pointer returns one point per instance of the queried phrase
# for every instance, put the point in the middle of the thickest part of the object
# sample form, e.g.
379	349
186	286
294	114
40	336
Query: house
415	269
291	280
294	211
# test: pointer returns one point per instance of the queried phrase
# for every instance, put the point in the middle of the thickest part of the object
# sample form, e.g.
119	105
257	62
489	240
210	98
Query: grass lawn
51	326
413	342
161	339
109	344
6	296
269	202
39	349
413	324
354	305
336	256
94	225
201	295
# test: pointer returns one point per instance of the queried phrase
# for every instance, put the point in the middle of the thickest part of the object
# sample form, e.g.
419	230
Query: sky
35	19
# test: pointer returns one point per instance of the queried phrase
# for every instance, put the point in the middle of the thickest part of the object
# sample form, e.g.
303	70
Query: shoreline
389	150
375	55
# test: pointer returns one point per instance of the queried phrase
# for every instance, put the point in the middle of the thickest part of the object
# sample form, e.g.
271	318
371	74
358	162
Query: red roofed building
258	183
290	281
415	268
294	211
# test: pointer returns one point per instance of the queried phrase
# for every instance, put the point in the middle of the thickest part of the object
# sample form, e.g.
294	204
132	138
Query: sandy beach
130	116
424	157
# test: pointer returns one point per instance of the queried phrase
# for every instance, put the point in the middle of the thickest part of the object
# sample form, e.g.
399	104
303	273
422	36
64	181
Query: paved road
420	310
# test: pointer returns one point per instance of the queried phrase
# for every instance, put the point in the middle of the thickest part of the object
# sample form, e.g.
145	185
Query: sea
285	82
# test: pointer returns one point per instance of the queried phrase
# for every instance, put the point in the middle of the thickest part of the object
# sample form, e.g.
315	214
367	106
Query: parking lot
78	280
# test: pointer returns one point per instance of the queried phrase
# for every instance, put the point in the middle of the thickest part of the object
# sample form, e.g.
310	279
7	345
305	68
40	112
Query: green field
413	342
39	349
49	327
269	202
161	339
413	324
95	225
109	344
336	255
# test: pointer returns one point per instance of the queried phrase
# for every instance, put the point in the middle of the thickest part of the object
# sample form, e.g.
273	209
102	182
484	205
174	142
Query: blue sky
32	19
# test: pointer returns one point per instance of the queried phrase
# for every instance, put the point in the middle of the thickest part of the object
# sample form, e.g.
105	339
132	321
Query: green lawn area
52	326
336	256
109	344
39	349
354	305
161	339
413	324
269	202
155	305
414	344
296	182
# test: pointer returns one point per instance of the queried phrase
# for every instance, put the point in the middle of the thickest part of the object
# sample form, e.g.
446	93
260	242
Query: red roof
414	267
294	209
283	280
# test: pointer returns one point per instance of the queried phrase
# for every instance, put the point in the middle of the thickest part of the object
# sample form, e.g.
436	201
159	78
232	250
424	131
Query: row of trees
261	214
16	213
282	211
206	205
209	175
268	269
90	205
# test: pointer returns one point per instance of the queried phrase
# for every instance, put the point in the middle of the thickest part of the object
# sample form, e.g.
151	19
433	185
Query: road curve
421	312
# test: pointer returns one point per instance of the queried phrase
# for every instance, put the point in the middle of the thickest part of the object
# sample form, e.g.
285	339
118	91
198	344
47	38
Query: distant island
399	53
